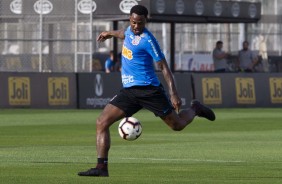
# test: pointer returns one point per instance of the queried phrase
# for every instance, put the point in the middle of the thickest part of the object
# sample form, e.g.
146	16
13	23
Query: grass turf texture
51	146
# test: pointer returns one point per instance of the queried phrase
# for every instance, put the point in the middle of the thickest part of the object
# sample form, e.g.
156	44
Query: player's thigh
155	100
109	115
126	102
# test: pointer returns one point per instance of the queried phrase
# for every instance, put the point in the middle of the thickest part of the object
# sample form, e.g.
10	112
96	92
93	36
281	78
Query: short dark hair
139	10
219	42
246	42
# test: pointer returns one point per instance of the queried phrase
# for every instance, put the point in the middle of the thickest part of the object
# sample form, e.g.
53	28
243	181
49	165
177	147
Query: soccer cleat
94	172
202	110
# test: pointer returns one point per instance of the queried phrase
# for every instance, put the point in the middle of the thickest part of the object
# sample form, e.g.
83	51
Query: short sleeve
154	49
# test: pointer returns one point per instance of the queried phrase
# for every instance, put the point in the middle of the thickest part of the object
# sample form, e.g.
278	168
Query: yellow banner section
19	91
58	91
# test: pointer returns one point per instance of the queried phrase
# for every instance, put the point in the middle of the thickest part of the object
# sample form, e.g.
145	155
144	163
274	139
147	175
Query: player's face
219	46
245	46
137	23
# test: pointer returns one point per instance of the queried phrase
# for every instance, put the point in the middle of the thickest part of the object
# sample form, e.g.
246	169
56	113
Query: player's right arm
175	100
110	34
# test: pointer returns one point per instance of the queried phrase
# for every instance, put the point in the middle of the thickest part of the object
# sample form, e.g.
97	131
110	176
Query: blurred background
62	38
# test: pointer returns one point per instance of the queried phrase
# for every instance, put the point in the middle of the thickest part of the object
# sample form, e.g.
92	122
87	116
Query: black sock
102	163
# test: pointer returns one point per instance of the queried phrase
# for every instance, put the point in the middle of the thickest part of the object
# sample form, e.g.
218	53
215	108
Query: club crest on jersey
136	40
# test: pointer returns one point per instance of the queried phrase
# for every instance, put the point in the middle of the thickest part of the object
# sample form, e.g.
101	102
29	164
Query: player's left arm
110	34
175	100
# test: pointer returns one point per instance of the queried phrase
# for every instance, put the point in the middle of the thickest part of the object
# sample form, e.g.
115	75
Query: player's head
111	54
138	18
245	45
219	44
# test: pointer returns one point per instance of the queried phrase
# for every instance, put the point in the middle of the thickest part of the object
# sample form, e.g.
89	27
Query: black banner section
239	89
184	87
37	90
200	11
95	90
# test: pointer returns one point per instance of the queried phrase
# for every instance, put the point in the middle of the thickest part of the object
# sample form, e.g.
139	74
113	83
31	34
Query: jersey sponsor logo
245	91
275	90
212	90
154	48
127	79
127	53
19	90
58	91
136	40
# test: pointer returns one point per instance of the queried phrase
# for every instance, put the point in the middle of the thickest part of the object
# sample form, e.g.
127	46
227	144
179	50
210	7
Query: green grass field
51	146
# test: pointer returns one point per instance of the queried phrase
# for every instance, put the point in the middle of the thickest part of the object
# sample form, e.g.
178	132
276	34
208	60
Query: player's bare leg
109	115
179	121
185	117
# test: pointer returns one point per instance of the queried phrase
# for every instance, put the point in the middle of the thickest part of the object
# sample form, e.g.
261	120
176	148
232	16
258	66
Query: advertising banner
239	89
205	11
106	8
159	10
37	90
95	90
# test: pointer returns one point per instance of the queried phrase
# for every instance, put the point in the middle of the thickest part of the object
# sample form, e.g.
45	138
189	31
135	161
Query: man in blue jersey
141	88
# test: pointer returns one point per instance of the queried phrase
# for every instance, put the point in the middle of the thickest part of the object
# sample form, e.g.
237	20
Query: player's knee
101	123
177	127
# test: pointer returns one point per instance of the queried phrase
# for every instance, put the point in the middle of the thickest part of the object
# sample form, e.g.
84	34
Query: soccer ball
129	128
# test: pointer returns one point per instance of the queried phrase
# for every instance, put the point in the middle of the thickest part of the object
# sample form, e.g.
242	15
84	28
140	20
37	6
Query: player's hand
176	102
104	36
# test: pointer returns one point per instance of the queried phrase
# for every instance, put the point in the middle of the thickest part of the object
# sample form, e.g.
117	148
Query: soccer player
141	87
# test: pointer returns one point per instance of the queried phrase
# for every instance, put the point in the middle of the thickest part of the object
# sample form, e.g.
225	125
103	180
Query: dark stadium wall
95	90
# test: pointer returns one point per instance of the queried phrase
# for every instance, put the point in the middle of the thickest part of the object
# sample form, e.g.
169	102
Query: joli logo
245	91
275	90
19	90
58	91
212	90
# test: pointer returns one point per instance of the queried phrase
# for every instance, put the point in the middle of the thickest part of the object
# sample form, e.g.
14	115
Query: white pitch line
178	159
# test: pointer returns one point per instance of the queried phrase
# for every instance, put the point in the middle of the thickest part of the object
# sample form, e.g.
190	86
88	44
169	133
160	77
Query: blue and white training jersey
138	55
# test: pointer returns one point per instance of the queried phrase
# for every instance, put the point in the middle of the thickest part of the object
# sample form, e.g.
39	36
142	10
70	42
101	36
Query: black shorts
153	98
